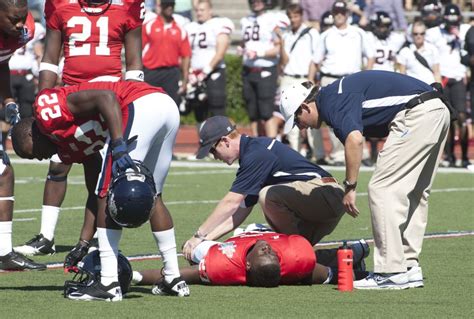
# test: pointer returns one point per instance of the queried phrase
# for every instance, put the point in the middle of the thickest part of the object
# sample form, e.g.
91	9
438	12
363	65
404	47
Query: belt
20	72
257	69
296	76
422	98
333	75
326	180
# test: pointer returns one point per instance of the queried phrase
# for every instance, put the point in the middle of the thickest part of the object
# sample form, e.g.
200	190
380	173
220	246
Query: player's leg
250	98
53	197
458	101
216	93
266	88
26	96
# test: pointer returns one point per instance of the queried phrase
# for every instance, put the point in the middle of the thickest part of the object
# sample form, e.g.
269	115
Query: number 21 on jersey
85	49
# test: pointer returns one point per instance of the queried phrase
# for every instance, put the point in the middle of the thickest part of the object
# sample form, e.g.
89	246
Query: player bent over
78	121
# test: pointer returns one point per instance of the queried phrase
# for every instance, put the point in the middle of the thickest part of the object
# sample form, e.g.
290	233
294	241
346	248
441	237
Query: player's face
167	10
203	12
12	20
257	5
262	252
296	20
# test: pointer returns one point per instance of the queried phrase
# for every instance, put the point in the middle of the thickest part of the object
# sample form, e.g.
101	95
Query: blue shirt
265	161
366	101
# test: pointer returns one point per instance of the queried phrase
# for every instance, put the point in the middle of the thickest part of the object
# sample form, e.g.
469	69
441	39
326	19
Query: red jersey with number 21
79	137
225	263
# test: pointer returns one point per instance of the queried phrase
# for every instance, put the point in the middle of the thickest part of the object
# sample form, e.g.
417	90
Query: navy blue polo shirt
366	101
265	161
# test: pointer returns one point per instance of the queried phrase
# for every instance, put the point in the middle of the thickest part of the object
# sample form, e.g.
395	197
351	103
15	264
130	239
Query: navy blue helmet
452	15
88	270
327	21
131	196
381	24
431	13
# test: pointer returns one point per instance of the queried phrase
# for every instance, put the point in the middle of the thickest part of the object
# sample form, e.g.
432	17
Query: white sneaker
177	287
415	277
383	281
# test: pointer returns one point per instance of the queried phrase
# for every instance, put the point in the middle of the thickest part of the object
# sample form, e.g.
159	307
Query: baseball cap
212	130
168	2
339	6
291	98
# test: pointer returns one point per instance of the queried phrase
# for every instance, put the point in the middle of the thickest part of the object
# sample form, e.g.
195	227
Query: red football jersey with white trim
78	138
224	263
93	43
9	45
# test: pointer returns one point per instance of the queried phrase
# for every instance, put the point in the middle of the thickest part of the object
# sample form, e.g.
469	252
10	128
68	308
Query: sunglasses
212	150
416	33
296	114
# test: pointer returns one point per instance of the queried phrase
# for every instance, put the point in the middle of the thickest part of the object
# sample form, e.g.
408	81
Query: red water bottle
345	279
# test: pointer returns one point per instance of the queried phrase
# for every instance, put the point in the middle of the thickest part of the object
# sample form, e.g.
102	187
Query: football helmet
327	21
95	7
269	4
381	24
452	15
88	270
431	13
131	196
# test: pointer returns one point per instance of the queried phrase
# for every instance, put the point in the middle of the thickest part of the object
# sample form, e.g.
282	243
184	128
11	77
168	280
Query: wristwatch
348	185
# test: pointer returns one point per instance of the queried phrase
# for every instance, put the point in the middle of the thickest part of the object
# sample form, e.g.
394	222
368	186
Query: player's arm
437	73
185	63
353	146
5	89
133	56
189	274
222	44
49	64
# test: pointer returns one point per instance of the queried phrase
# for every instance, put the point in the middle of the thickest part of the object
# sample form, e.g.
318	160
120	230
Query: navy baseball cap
212	130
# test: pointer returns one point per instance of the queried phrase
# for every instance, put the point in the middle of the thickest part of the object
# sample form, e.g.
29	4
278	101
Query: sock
5	238
166	243
136	277
108	248
49	219
330	275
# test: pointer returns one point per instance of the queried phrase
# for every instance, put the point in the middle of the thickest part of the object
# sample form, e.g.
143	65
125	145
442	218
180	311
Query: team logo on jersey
227	248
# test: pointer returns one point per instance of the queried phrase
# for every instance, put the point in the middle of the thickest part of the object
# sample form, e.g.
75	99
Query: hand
189	247
349	202
251	54
76	254
121	160
12	113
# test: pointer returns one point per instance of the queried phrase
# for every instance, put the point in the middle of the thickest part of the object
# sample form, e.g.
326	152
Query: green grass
448	264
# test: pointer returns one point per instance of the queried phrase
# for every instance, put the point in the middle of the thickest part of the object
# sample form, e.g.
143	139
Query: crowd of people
87	84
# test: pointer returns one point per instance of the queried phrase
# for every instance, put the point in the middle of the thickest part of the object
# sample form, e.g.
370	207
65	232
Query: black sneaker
96	291
38	245
76	254
17	262
177	287
361	250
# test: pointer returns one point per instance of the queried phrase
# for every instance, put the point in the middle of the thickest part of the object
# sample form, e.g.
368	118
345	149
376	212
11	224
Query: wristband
348	185
44	66
136	75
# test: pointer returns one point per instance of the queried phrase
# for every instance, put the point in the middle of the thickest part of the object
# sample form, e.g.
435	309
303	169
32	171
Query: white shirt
414	68
386	50
24	58
203	40
300	57
450	57
258	35
340	51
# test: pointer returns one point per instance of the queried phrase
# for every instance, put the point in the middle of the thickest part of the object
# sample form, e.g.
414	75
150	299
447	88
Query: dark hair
21	133
264	275
5	4
294	8
314	91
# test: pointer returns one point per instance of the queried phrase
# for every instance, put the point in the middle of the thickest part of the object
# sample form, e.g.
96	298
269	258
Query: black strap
422	60
306	30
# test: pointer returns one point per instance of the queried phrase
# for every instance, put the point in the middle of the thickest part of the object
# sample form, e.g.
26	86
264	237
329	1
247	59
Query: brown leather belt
326	180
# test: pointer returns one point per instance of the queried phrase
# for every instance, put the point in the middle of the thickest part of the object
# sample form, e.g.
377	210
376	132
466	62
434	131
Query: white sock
5	238
136	277
108	248
330	275
49	219
166	243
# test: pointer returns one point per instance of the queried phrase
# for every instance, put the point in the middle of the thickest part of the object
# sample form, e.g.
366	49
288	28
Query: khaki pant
311	208
400	186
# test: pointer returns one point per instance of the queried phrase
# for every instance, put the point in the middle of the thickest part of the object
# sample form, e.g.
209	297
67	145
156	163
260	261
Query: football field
191	192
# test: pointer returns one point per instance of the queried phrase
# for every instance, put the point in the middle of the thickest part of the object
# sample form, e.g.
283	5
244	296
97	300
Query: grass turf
191	194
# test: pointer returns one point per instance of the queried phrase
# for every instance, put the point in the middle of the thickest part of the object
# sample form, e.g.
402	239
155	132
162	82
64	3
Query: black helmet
88	270
327	21
452	15
131	196
431	13
381	24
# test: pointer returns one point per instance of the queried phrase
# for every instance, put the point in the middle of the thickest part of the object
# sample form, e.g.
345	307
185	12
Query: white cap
291	99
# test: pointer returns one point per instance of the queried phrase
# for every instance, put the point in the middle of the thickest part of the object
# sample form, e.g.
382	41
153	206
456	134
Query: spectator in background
469	61
166	51
394	8
314	9
357	8
185	8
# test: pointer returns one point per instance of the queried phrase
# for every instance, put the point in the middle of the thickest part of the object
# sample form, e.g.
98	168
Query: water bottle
345	277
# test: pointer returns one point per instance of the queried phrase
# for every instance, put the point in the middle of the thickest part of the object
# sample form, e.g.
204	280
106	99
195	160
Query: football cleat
376	281
76	254
17	262
38	245
94	290
177	287
360	250
415	277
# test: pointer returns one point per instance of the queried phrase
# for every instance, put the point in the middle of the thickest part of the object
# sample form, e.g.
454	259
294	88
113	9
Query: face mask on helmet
95	7
131	197
452	15
381	25
267	4
88	270
431	13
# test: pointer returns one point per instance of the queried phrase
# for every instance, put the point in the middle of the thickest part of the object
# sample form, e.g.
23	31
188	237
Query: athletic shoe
96	291
76	254
415	277
38	245
177	287
16	262
383	281
360	251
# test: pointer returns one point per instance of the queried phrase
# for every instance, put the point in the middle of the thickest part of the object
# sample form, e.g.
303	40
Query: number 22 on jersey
85	49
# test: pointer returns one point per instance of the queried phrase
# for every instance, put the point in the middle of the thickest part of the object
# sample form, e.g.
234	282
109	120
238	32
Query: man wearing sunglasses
296	196
415	119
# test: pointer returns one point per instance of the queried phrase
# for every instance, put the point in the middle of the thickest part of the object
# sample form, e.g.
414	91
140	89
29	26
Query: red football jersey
79	137
92	43
224	263
9	45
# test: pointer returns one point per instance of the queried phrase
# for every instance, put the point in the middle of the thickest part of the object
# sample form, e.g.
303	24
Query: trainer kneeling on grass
415	119
297	196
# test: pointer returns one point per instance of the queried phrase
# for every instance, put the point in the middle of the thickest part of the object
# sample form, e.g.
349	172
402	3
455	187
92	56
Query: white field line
214	201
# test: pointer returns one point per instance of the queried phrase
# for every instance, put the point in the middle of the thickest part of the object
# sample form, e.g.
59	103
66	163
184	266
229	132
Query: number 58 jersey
92	36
